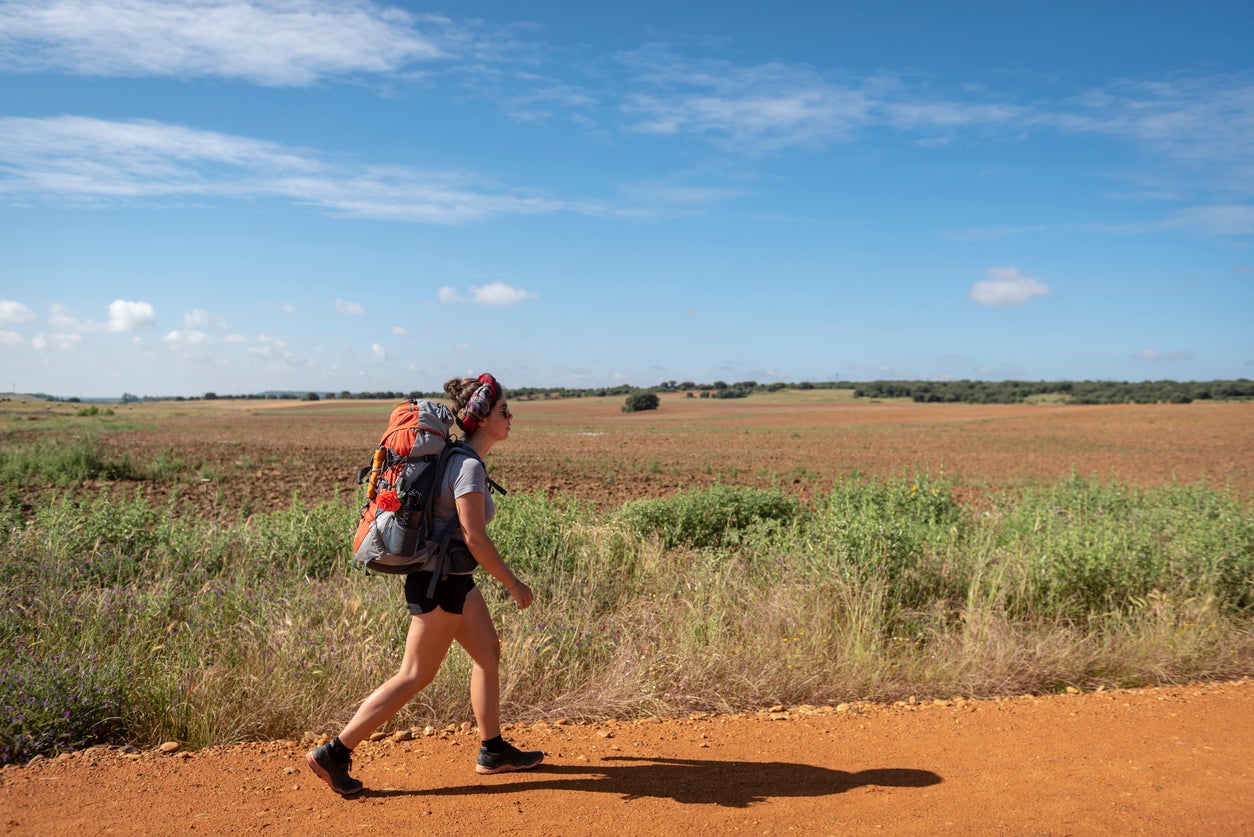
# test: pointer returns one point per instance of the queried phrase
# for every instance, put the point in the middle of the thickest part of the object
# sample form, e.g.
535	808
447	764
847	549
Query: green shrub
641	400
709	517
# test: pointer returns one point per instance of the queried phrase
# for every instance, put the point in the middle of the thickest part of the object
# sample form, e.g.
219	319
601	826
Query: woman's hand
522	595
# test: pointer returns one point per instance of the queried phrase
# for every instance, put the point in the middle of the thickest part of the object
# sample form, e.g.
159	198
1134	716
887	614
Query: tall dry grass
127	621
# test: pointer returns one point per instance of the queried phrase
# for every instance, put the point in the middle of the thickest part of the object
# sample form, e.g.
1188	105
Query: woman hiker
456	611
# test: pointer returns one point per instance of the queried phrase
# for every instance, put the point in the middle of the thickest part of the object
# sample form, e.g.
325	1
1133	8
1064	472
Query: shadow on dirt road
732	784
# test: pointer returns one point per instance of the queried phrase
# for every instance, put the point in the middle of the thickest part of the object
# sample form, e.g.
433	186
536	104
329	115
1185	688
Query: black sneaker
511	758
334	773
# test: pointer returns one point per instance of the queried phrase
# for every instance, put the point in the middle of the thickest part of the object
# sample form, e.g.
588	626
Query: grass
126	621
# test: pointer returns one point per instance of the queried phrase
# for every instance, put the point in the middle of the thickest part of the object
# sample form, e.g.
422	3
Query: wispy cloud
1006	287
352	309
759	108
82	160
1202	123
267	42
1216	220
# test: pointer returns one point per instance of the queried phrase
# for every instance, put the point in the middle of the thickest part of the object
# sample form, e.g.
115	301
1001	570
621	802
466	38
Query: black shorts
450	593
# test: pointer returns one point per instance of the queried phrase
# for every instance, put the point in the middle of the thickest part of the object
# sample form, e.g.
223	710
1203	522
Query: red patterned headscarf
480	404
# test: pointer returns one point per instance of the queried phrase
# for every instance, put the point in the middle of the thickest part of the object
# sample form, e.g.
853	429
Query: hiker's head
475	400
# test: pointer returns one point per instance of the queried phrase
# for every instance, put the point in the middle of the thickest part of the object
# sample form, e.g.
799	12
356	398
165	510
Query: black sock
339	751
495	745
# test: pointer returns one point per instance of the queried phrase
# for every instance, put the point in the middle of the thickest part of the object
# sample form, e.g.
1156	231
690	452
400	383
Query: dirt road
1170	760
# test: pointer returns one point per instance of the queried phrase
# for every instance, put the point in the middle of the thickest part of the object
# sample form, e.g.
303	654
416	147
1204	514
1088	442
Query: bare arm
471	516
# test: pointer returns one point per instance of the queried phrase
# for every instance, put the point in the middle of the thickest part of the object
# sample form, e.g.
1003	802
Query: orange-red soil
1154	761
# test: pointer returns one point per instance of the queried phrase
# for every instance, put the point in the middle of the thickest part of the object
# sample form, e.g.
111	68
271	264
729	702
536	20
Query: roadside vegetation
126	621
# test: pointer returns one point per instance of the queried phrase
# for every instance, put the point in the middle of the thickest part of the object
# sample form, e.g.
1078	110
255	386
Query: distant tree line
1075	392
965	391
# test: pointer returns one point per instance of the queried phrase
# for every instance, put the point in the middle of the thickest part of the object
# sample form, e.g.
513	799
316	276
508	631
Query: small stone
169	747
1072	690
842	707
290	771
605	733
780	716
404	735
428	730
378	736
776	708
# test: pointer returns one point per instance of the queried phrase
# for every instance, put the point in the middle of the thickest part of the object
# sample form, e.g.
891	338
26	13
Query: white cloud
15	312
60	340
399	331
11	338
1155	356
268	42
188	337
125	315
493	293
352	309
198	319
262	345
378	351
1006	286
62	319
82	160
499	293
194	333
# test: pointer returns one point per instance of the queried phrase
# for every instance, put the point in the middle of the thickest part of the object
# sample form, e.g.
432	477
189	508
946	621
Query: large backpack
395	533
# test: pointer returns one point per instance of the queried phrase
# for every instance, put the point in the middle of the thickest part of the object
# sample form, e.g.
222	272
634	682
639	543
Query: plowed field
251	455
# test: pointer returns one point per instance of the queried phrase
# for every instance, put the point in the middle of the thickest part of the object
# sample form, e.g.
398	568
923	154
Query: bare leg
478	636
426	644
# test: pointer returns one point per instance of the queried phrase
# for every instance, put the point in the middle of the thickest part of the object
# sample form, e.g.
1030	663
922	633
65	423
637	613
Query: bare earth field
254	455
1169	760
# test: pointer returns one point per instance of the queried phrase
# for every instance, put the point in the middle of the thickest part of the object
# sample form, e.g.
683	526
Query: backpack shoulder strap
460	447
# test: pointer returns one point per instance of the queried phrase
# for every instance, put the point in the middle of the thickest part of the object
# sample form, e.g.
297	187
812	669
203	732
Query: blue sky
238	196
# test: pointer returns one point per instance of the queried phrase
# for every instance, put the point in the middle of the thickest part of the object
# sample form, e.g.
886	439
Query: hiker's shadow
733	784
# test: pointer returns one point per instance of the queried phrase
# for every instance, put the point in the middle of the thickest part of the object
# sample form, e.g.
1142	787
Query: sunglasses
505	411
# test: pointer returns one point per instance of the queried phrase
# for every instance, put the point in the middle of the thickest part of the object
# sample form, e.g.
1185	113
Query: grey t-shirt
465	475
